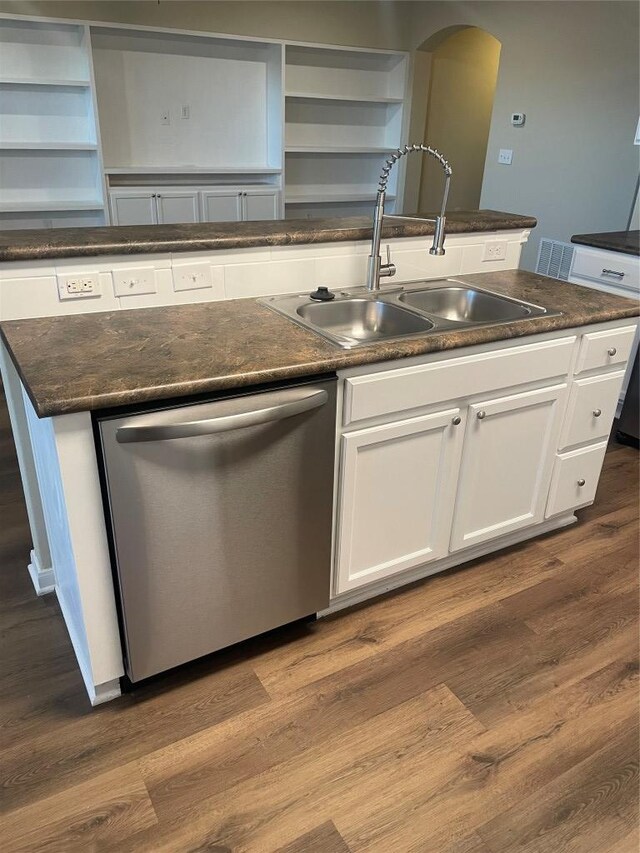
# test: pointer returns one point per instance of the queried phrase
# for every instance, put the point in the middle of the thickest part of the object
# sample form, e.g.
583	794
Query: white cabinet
260	204
239	205
221	206
397	488
509	450
176	206
133	207
575	478
145	207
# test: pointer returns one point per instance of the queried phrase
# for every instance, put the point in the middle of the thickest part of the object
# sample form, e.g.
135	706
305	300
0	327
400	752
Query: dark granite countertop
627	242
41	244
149	354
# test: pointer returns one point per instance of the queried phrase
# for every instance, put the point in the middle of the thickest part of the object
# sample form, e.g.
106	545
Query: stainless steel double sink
356	317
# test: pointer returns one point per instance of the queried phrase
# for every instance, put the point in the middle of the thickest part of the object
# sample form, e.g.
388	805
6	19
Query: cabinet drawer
603	349
592	407
421	385
575	478
607	268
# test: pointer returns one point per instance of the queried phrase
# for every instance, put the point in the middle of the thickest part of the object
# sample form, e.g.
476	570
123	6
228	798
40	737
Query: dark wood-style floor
489	709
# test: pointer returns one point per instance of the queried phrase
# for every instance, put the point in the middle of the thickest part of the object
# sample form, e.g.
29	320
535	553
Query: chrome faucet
376	269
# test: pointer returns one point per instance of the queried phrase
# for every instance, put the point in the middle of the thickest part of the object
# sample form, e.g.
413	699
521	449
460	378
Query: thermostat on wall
518	119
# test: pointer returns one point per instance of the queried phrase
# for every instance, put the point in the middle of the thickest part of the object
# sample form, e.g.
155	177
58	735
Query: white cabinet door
260	205
216	206
177	206
508	456
133	207
397	487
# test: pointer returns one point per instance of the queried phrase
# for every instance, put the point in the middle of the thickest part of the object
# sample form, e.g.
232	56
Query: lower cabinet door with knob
220	206
508	457
133	207
575	478
397	489
177	206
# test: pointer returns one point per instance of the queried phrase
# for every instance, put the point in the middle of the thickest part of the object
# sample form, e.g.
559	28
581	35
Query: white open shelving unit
292	129
50	165
344	111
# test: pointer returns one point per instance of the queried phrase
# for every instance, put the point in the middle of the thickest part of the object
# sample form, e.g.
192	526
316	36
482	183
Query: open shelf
50	204
44	81
48	146
191	170
345	74
332	197
43	53
339	149
362	99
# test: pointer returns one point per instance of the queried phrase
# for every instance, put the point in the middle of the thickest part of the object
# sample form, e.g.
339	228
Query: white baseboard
44	580
356	596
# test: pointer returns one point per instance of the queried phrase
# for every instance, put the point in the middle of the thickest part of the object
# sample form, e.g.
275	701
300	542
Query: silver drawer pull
597	413
612	351
613	273
456	421
581	482
482	415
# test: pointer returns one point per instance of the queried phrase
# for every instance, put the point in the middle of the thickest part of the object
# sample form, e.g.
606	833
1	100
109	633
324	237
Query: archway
456	88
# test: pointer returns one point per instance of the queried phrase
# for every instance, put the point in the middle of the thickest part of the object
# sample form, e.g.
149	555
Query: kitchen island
477	402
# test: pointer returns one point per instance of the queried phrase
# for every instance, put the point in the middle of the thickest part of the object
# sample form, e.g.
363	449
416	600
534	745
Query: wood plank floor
489	709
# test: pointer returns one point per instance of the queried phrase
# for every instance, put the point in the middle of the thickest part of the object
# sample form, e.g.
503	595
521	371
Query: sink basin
363	320
460	304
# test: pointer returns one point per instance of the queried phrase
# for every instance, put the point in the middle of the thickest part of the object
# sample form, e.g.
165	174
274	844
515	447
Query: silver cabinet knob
597	413
456	421
612	351
482	415
581	482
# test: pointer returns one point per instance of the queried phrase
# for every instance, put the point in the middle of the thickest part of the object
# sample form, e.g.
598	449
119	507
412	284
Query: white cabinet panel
592	407
177	206
605	349
133	207
575	478
260	205
396	496
506	465
218	206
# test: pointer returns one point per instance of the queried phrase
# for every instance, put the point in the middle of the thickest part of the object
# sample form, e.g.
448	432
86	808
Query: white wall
573	68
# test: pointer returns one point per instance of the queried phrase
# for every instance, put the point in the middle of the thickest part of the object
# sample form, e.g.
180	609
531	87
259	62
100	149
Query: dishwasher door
220	517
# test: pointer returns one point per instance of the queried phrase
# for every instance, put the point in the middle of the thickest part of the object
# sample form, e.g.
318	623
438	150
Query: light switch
505	156
192	277
135	281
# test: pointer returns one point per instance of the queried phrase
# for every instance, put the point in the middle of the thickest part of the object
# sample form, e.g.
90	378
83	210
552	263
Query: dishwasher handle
301	401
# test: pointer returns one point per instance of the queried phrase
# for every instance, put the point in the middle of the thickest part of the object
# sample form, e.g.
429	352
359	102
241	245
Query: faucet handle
389	269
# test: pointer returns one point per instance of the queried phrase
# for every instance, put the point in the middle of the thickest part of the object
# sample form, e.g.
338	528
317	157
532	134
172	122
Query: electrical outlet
78	286
495	250
192	277
186	111
134	281
505	156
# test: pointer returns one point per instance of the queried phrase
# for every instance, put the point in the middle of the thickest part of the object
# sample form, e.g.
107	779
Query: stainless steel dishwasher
220	518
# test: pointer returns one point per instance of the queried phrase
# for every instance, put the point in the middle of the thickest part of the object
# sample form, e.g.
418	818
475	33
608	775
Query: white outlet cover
81	281
135	281
192	277
505	156
495	250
